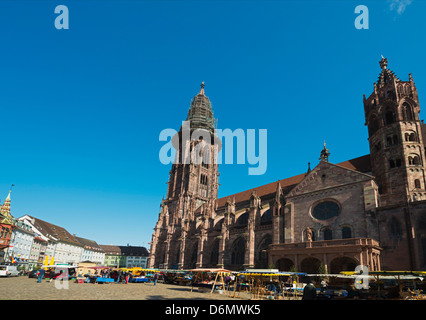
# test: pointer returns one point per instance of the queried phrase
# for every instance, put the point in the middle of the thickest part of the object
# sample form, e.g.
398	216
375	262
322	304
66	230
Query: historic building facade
365	211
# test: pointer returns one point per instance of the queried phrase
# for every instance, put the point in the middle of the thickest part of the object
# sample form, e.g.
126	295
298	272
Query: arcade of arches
334	257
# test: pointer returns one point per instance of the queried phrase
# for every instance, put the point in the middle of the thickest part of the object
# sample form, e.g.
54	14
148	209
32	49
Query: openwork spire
386	75
201	114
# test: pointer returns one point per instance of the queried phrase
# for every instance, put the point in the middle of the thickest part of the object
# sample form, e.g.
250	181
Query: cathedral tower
396	144
193	183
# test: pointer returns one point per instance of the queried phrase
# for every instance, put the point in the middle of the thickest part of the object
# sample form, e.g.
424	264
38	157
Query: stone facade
365	211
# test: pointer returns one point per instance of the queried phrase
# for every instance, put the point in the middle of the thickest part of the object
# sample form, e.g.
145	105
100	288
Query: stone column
182	252
167	251
200	251
224	236
250	243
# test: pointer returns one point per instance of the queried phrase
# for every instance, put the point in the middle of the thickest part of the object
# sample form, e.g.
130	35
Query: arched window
262	254
413	160
398	162
389	116
391	163
394	139
407	112
238	252
373	125
203	179
346	233
417	184
328	234
206	158
214	254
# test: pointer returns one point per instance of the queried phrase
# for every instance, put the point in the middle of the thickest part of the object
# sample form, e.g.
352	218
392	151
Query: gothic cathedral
367	211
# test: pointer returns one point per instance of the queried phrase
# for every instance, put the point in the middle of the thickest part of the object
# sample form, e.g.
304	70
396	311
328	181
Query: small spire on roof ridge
325	153
309	167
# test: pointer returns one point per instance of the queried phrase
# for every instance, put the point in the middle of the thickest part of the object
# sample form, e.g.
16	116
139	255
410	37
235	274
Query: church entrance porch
333	255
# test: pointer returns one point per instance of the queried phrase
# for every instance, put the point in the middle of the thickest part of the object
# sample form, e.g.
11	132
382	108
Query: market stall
211	278
271	283
142	275
60	272
179	277
392	284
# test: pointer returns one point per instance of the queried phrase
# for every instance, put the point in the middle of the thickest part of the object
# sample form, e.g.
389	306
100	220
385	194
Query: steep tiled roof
89	244
110	249
134	251
50	230
125	250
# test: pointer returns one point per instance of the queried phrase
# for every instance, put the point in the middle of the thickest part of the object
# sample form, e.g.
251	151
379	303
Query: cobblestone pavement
24	288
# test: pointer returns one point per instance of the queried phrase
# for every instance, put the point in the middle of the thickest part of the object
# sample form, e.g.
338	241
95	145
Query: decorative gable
326	176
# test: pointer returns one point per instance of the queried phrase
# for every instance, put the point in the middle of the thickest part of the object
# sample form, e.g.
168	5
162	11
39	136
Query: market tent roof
388	273
59	266
143	269
139	269
270	273
173	271
349	276
210	270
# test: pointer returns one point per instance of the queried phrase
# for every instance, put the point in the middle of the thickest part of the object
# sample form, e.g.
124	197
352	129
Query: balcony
329	244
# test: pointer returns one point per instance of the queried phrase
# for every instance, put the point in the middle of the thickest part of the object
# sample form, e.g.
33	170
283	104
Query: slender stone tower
396	144
193	183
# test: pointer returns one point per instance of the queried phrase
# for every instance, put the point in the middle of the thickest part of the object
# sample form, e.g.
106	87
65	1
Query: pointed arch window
203	179
389	116
328	234
346	233
373	125
394	163
214	254
407	112
238	252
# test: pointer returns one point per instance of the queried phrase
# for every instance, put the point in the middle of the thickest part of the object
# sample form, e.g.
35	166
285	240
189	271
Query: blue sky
82	109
